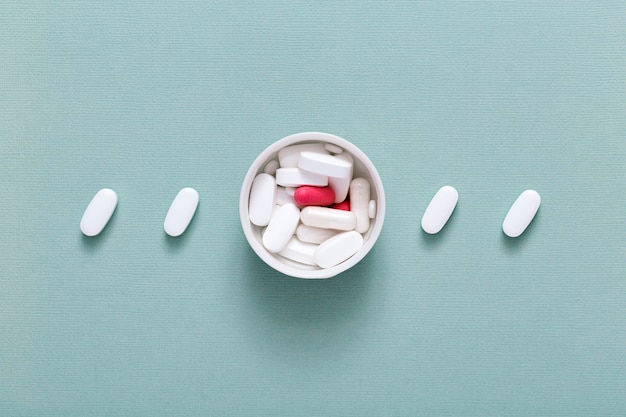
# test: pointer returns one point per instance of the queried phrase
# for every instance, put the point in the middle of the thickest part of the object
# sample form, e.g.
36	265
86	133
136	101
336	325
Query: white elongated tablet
360	202
338	248
299	251
181	212
521	213
262	199
281	228
98	212
341	186
295	177
315	235
324	164
288	156
328	218
439	209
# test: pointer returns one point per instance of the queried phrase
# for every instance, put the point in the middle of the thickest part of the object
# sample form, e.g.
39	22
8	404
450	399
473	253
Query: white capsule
283	197
338	248
521	213
359	203
328	218
181	212
315	235
295	177
299	251
371	209
98	212
324	164
289	155
281	227
271	167
341	186
439	209
333	148
290	190
262	199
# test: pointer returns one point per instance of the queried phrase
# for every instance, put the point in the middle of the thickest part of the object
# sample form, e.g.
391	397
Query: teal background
148	97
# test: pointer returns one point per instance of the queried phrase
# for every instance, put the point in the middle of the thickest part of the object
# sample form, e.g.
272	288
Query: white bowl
363	167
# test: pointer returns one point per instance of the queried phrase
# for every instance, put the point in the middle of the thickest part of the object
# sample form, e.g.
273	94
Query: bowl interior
363	167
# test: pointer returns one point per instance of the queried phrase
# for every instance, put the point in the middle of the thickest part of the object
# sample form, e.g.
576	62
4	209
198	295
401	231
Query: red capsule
344	205
314	196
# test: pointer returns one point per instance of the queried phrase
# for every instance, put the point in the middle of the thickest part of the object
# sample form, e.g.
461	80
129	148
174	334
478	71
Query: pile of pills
310	207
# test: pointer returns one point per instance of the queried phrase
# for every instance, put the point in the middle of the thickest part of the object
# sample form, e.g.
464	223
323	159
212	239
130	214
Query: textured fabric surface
148	97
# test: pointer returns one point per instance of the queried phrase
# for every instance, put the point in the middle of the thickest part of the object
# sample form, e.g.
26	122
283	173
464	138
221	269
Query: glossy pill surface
344	205
262	199
288	156
315	235
295	177
521	213
314	196
360	202
98	212
439	209
338	248
324	164
328	218
181	212
341	186
299	251
281	227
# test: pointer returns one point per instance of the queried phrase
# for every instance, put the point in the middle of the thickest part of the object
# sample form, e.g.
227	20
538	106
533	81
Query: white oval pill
439	209
521	213
295	177
324	164
338	248
328	218
371	209
281	228
359	203
299	251
312	234
181	212
288	156
98	212
262	199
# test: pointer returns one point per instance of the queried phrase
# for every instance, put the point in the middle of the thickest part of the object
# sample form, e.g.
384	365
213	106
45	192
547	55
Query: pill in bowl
312	205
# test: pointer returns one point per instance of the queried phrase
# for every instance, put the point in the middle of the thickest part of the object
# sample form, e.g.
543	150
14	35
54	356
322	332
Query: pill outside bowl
363	167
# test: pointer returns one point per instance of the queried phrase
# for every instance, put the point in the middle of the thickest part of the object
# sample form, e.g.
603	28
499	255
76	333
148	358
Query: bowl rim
258	164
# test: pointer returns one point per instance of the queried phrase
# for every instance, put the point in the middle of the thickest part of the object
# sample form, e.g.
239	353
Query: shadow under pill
175	244
434	241
514	243
92	243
